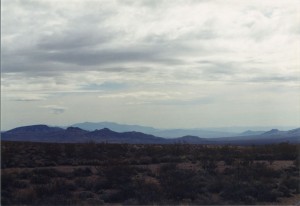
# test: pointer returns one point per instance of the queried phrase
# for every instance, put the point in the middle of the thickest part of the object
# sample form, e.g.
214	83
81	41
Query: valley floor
180	174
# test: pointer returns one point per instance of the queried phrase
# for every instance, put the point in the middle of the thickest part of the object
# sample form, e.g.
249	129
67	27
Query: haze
167	64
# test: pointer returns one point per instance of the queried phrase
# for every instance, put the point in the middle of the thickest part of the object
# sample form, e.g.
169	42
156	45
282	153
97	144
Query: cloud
138	95
105	86
26	97
103	57
55	109
155	53
115	35
71	40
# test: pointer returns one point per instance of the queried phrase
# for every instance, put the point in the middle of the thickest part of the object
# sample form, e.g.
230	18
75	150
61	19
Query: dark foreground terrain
95	174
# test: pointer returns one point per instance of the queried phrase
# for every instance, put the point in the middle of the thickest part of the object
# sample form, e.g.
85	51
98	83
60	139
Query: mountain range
44	133
172	133
167	133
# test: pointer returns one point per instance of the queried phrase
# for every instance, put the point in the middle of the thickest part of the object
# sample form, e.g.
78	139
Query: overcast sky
167	64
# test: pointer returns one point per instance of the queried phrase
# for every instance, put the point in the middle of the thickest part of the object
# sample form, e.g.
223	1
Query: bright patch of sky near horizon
165	64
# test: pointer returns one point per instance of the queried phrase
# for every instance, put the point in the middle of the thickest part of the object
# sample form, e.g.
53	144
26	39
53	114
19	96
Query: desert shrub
291	171
99	170
296	162
7	180
84	183
53	152
42	190
82	172
229	160
131	201
49	163
205	199
265	192
234	192
70	150
95	185
6	197
166	167
145	160
94	201
215	185
57	186
146	192
99	184
155	160
291	183
246	161
286	151
57	199
256	171
21	184
126	191
179	184
208	164
39	179
24	174
142	169
85	195
119	175
284	191
82	161
170	158
113	196
248	192
48	172
262	170
25	197
176	149
133	162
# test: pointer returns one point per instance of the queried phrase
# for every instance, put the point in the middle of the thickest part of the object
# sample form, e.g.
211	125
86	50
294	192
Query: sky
160	63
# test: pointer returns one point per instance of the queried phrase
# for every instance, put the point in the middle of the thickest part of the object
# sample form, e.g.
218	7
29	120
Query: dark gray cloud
70	40
111	56
63	58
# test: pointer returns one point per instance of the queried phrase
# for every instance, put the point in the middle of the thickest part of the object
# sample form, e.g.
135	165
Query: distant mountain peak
190	137
251	132
295	131
272	131
104	130
75	129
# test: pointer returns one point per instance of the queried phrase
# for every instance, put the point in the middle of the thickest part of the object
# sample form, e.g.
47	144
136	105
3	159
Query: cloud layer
184	55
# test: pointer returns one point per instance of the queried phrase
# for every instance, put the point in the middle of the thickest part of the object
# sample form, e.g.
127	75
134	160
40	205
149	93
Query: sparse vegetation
96	174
